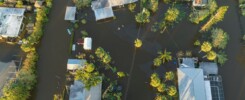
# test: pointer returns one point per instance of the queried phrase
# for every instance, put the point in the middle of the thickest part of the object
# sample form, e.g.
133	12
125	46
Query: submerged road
53	53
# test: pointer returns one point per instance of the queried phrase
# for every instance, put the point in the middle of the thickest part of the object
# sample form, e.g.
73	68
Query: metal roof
73	64
209	68
87	43
78	92
191	84
70	13
10	21
103	8
187	62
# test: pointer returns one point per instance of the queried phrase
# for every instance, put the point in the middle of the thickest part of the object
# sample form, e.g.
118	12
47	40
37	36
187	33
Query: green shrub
89	79
166	1
82	3
84	33
19	4
103	55
219	38
30	42
221	58
49	3
83	21
143	16
76	25
197	43
131	7
19	89
198	16
153	5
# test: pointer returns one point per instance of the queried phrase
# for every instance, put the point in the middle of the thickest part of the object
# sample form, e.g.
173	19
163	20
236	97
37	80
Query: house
201	83
79	92
87	43
7	72
103	8
11	21
74	64
199	3
191	84
70	13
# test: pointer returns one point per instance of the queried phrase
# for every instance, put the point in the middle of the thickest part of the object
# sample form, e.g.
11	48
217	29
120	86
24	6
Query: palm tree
155	80
171	91
137	43
157	62
206	47
166	56
169	76
211	55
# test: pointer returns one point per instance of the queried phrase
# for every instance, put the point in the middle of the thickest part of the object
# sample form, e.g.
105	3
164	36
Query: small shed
87	43
209	68
74	64
38	4
70	13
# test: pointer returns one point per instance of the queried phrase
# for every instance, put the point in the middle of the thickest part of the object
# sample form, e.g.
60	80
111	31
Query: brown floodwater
55	43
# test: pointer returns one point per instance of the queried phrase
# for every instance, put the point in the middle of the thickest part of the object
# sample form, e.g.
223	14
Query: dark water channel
55	43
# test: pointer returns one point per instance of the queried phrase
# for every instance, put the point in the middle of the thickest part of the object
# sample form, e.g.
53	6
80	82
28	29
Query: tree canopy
219	38
82	3
143	16
211	55
206	47
137	43
155	80
217	17
172	15
172	90
169	76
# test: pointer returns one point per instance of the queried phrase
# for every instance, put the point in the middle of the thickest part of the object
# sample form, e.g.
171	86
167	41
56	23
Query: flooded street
53	53
54	47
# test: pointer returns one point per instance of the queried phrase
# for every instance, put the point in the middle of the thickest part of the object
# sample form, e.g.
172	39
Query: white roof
70	13
191	84
208	90
87	43
103	13
10	21
103	8
73	64
78	92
